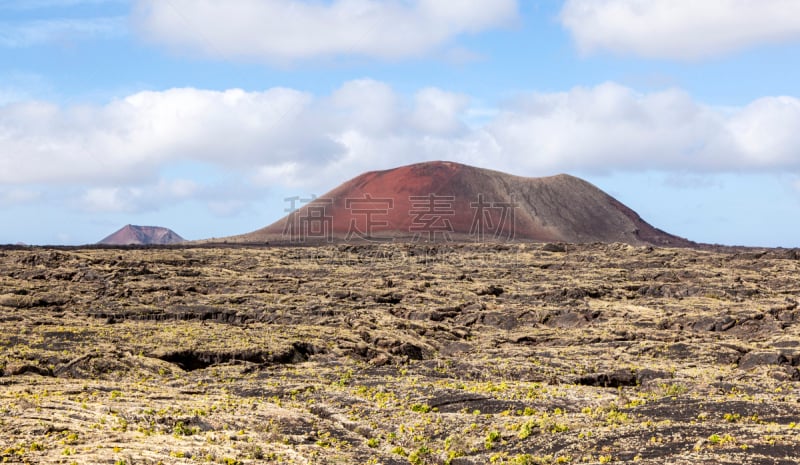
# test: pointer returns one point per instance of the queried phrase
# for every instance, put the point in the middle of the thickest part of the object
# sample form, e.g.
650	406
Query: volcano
143	235
445	201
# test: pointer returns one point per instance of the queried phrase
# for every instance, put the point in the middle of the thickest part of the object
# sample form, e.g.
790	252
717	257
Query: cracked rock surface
399	353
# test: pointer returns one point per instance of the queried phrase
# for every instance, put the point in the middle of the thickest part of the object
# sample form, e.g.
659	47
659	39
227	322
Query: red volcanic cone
443	201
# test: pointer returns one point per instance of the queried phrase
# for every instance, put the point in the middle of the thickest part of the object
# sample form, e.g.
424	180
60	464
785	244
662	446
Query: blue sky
203	115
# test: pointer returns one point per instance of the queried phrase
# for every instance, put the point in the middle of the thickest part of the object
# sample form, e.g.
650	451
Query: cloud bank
289	138
679	29
289	30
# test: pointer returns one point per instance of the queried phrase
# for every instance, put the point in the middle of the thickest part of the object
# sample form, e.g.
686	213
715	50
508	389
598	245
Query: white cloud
107	199
608	127
288	30
137	199
130	139
287	174
680	29
60	31
766	131
438	112
286	138
611	127
370	105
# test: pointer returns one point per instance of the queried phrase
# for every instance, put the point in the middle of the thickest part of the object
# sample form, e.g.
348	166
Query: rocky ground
397	354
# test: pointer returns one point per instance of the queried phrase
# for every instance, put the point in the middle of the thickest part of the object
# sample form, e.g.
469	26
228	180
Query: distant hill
441	201
142	235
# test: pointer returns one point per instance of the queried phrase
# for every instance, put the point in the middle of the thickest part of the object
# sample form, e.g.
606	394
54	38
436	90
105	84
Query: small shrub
182	430
416	457
491	437
421	408
732	417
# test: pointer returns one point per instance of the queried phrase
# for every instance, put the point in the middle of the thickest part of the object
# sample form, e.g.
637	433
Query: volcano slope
142	235
398	354
443	201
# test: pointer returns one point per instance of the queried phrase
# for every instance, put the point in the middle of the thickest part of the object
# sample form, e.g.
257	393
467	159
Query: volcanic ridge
442	201
143	235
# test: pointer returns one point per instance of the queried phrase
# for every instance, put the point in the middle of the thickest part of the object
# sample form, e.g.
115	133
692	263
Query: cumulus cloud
273	134
286	138
679	29
439	112
611	128
604	128
288	30
766	132
131	138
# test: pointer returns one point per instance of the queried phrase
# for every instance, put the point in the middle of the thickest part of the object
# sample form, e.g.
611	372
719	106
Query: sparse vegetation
365	354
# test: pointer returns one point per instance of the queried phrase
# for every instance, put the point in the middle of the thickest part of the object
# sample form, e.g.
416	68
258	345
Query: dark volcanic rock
21	369
413	352
307	358
191	359
757	359
618	378
714	324
491	290
550	247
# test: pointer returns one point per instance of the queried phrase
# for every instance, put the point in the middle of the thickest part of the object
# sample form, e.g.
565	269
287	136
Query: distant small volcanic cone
444	201
142	235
